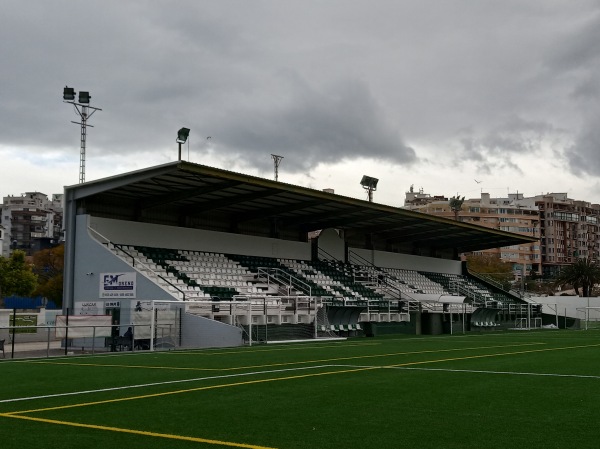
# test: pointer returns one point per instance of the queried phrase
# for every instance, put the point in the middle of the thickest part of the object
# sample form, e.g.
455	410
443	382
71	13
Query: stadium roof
197	189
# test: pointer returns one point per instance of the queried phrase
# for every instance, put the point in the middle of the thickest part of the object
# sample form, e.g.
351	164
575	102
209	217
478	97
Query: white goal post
590	316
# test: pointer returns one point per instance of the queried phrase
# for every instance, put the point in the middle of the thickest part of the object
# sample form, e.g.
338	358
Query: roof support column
69	223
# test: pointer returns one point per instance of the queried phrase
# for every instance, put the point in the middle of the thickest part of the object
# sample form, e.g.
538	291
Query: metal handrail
285	279
358	256
488	279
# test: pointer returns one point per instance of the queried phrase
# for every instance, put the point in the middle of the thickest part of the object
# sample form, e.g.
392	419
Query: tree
456	203
16	275
584	274
491	266
49	267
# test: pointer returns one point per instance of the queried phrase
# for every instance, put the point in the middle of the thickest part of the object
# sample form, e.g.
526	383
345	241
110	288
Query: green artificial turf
492	390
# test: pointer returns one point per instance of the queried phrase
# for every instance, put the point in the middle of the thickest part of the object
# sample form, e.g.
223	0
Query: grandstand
229	257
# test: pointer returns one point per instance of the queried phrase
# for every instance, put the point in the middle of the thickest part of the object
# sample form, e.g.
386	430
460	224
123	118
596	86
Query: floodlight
182	135
84	97
370	185
68	93
368	182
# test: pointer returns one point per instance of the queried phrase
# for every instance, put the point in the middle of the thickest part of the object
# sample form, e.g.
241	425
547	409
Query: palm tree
584	274
456	203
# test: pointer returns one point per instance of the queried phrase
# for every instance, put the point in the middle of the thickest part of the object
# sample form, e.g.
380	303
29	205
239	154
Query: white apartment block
28	219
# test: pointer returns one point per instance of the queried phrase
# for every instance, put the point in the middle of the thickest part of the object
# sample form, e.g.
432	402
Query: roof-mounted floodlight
68	93
182	135
84	97
370	184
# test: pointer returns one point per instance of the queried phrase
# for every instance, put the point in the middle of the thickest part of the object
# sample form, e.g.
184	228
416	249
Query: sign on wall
118	285
89	308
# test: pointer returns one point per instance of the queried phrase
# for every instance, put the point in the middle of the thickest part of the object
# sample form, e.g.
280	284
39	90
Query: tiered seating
318	282
334	280
253	264
411	282
192	274
458	284
196	274
349	275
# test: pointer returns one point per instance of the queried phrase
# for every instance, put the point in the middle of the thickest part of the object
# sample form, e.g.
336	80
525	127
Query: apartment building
513	214
570	230
2	233
28	218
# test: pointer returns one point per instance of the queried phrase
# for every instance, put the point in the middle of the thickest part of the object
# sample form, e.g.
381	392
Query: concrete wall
570	306
334	245
147	234
409	262
330	242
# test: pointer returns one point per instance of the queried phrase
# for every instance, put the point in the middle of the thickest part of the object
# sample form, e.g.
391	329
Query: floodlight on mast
82	108
182	136
370	185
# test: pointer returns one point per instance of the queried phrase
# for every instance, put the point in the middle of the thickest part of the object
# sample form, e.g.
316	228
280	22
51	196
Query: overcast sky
435	94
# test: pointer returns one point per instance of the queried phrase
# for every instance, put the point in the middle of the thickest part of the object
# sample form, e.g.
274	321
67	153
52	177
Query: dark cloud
578	58
317	82
577	49
311	127
513	137
584	155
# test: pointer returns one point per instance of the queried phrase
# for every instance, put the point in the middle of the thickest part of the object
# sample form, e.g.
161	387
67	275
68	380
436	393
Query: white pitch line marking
513	373
153	384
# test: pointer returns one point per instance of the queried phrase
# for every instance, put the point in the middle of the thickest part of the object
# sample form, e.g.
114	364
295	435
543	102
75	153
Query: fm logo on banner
118	285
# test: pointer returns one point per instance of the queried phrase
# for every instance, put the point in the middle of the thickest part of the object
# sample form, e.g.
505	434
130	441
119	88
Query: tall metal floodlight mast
82	108
276	162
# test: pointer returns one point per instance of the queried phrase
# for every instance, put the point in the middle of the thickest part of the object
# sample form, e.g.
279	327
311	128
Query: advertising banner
25	324
118	285
83	326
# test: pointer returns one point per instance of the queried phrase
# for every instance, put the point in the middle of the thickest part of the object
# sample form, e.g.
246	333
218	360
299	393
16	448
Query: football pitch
535	389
